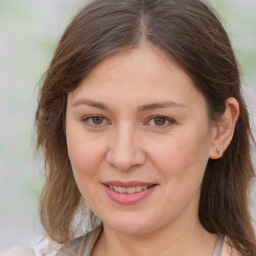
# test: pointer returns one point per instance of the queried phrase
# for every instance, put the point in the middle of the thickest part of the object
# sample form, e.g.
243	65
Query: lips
128	192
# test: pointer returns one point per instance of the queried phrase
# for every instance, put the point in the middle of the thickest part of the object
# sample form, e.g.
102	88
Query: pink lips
126	198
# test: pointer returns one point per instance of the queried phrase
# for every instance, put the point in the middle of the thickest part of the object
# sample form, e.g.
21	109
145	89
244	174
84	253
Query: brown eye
97	120
159	121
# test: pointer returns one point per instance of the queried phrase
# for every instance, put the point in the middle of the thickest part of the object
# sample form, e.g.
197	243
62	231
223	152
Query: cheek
84	155
85	159
185	155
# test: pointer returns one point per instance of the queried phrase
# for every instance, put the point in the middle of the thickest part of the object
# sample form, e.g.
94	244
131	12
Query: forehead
141	75
146	59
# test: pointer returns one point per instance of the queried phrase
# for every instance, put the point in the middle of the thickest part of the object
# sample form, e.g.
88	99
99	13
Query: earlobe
219	151
224	128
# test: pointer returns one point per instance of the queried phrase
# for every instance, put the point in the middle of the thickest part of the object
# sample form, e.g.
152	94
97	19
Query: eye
95	120
160	121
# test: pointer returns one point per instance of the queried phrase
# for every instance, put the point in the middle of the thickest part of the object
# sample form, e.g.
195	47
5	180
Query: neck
191	240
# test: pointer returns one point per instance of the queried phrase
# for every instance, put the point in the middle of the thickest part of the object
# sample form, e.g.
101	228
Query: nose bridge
125	150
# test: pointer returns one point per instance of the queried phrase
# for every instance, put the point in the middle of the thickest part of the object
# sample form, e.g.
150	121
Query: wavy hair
188	31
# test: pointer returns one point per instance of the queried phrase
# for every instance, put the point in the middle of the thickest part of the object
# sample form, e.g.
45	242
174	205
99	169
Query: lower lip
125	198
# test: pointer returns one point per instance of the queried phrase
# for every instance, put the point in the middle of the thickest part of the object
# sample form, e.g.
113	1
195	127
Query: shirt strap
218	246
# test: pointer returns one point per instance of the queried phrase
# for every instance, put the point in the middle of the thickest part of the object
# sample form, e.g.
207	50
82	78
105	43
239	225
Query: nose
125	150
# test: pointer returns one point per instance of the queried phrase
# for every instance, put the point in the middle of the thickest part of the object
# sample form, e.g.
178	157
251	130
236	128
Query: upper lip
133	183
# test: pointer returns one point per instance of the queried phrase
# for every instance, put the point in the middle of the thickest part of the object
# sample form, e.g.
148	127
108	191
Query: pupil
159	121
97	120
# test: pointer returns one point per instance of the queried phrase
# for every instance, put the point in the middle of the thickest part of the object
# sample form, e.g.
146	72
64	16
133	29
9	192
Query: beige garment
218	246
83	246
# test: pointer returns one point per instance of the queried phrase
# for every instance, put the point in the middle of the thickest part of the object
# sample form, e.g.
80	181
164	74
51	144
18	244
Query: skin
126	142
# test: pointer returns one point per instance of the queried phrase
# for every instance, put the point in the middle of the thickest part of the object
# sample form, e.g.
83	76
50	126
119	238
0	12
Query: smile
128	193
129	190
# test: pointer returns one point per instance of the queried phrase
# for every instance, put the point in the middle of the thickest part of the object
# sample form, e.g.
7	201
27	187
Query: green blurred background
29	31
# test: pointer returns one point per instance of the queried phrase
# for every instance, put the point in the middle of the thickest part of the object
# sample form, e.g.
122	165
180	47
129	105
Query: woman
141	117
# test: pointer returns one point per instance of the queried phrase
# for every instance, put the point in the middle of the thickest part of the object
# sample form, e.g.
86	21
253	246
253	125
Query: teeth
129	190
139	188
121	190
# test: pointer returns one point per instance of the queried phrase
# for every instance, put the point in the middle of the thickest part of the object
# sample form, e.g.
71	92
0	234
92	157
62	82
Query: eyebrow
165	104
151	106
90	103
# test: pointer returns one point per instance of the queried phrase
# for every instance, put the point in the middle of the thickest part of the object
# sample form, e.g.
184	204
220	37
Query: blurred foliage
239	18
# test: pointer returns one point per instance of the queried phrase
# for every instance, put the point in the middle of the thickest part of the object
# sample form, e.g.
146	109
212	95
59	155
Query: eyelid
87	117
168	119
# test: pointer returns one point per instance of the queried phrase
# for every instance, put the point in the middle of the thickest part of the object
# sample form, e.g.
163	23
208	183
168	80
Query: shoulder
41	250
228	250
19	251
82	245
29	251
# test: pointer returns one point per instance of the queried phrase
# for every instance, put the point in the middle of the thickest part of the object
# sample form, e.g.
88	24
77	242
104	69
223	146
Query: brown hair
189	32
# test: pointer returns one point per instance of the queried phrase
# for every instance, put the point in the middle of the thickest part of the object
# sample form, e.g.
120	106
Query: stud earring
219	151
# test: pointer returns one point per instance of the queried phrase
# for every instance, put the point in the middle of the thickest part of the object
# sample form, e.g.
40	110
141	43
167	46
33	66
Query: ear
223	129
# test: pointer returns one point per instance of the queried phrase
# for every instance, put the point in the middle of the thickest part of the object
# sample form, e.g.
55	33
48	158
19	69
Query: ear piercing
219	151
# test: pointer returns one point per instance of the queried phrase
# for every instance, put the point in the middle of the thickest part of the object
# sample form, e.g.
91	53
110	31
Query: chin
133	225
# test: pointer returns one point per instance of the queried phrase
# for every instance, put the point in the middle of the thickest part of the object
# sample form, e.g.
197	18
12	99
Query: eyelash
167	120
87	118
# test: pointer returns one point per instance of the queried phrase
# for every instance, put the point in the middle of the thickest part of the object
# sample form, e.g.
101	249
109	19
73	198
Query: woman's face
138	139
